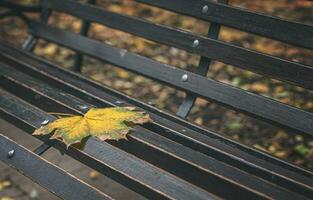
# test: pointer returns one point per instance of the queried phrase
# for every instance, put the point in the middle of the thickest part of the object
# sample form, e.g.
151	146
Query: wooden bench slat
270	170
272	27
238	99
177	159
284	70
124	168
59	182
20	7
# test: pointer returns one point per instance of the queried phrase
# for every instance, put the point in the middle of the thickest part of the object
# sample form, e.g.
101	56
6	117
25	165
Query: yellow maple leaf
104	123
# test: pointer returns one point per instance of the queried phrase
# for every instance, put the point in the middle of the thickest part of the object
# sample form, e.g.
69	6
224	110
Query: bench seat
207	161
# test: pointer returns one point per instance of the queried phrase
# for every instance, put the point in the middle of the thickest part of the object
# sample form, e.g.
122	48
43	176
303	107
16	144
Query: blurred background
283	144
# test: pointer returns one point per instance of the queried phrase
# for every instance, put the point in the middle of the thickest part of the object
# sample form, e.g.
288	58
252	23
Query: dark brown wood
124	168
238	99
61	75
59	182
19	7
279	29
216	50
148	145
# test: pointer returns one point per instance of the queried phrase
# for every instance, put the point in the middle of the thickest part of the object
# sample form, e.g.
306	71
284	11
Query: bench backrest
209	48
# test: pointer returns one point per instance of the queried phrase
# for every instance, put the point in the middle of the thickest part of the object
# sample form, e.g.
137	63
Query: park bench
169	158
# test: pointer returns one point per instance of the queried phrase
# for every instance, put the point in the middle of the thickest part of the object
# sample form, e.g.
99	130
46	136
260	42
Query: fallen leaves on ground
4	184
6	198
104	123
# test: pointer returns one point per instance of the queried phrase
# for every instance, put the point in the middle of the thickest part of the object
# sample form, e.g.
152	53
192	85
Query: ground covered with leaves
281	143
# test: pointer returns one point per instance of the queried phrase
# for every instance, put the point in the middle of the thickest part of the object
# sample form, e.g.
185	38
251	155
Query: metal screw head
184	77
123	52
205	9
45	122
11	153
83	107
118	102
195	43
